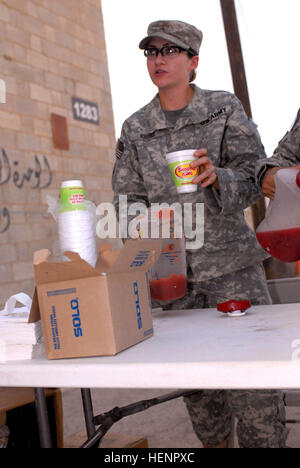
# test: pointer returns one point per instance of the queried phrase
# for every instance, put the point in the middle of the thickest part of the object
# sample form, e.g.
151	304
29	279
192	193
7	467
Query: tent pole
239	80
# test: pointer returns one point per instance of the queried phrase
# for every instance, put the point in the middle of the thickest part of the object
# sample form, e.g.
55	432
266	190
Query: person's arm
268	182
287	154
207	172
127	179
231	187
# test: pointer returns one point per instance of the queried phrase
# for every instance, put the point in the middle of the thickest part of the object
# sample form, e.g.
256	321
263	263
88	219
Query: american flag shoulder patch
119	149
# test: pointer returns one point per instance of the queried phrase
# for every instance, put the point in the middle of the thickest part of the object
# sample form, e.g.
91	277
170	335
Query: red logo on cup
184	171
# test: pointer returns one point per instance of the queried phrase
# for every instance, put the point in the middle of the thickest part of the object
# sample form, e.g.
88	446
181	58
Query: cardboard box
88	311
13	398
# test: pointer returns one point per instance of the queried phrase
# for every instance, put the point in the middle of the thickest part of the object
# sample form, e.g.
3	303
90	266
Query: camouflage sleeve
127	176
287	153
241	150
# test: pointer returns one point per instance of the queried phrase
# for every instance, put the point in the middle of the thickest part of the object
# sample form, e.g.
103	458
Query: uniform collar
196	111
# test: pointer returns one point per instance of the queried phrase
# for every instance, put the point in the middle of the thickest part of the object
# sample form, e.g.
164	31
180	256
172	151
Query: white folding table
190	349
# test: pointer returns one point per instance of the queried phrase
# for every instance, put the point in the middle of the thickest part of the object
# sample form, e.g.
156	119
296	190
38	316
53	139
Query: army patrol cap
177	32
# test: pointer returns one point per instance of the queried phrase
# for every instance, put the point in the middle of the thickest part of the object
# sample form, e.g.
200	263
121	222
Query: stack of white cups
77	222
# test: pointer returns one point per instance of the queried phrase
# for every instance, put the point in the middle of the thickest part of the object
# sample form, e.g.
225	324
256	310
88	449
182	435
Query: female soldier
228	266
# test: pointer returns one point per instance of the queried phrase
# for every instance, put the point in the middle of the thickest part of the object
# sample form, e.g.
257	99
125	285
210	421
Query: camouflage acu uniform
287	153
4	434
228	265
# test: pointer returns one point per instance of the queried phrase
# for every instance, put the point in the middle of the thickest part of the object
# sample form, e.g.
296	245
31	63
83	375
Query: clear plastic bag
279	232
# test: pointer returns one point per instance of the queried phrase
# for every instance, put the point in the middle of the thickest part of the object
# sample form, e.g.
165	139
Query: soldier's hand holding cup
207	172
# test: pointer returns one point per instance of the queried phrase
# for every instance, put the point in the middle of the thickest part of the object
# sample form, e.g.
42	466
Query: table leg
88	411
42	418
231	443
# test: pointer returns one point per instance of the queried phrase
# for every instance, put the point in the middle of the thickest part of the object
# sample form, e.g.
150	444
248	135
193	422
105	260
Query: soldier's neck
175	98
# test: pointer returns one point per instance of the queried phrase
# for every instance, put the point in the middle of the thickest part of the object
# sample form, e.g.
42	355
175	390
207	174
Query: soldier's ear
195	61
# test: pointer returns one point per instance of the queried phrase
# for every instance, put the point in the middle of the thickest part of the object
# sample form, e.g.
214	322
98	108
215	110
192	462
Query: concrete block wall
49	52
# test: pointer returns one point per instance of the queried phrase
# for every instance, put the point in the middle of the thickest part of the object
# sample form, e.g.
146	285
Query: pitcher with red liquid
279	232
167	278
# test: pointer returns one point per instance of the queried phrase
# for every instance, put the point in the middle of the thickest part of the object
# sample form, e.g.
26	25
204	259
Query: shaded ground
165	426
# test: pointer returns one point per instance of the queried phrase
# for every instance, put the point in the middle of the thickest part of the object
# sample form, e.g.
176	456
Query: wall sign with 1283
85	111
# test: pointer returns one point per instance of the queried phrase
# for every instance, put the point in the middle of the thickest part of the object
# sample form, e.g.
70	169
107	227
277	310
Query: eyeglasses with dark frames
168	51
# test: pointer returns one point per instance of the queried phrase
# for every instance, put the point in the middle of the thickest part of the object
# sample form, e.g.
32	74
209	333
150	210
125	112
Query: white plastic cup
76	222
183	175
71	183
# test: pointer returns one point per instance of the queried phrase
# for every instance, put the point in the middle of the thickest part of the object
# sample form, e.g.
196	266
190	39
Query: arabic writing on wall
39	176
